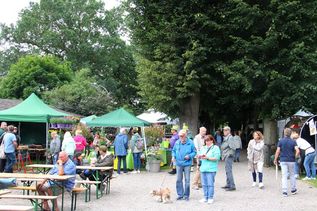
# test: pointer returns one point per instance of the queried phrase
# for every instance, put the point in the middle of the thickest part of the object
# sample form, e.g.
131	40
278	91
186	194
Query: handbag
199	163
2	154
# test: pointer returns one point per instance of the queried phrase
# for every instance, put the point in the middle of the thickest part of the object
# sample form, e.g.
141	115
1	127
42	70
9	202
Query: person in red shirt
80	141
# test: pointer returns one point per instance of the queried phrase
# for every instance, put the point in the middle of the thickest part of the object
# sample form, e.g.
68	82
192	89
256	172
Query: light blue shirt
8	139
69	169
210	165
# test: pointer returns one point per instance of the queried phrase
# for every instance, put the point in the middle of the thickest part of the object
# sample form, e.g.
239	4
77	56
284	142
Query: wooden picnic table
52	178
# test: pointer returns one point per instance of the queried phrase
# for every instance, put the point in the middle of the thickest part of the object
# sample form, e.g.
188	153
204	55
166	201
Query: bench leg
74	201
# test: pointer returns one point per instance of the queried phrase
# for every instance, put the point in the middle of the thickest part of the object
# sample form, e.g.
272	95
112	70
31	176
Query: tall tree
82	32
34	74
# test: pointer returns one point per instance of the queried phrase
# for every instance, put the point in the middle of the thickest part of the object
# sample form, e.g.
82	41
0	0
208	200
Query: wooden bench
2	192
24	188
87	184
33	198
75	192
15	208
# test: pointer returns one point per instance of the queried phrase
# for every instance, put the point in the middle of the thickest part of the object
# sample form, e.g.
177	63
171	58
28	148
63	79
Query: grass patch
313	183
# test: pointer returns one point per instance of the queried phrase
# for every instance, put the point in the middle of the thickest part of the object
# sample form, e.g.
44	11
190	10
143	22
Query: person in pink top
80	141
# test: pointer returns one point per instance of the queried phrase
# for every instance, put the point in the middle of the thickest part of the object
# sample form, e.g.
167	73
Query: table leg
62	198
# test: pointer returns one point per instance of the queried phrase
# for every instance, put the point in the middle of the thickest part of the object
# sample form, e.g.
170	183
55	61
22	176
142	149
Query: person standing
10	145
120	149
80	141
199	142
55	146
218	137
3	130
183	154
237	140
256	157
173	140
69	145
136	149
209	156
287	149
228	151
310	155
17	136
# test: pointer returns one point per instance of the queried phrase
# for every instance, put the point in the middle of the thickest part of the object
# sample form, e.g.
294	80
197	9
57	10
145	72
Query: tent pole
46	139
144	141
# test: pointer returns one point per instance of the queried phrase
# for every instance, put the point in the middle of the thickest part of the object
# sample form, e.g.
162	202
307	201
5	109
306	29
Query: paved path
131	192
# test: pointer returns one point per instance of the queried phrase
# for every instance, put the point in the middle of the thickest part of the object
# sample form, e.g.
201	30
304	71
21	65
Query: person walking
136	146
237	140
69	145
173	140
199	142
120	149
228	148
310	155
10	145
287	150
209	156
183	154
55	146
218	137
255	155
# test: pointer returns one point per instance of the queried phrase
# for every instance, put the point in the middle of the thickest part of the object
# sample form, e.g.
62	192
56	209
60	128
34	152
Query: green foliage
34	74
82	32
80	96
246	59
154	135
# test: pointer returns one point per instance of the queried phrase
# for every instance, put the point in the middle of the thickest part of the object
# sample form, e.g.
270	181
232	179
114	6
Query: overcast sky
9	9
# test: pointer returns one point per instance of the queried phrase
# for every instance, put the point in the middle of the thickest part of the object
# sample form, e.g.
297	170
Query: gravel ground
131	192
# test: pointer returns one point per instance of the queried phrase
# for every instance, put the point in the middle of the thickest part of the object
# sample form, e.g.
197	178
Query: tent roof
117	118
303	113
32	109
88	118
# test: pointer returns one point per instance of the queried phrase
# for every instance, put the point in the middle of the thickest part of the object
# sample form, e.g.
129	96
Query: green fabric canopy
32	109
117	118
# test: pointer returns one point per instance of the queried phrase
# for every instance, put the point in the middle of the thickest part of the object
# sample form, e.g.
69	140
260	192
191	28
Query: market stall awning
88	119
32	109
117	118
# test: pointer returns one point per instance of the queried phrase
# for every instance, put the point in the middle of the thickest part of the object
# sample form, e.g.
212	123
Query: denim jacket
181	150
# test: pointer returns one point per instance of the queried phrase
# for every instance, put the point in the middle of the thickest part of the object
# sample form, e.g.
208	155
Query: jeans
228	168
296	168
124	164
260	176
2	164
11	160
288	169
55	158
208	180
310	165
180	170
137	160
237	155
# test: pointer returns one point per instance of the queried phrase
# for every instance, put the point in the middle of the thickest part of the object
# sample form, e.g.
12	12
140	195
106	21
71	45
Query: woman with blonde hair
256	157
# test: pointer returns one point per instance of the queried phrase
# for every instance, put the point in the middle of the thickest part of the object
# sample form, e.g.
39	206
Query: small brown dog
162	195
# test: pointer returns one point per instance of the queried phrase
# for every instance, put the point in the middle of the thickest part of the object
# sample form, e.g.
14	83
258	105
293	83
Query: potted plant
153	159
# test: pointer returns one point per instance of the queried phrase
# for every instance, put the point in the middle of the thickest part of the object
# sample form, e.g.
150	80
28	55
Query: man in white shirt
199	142
310	155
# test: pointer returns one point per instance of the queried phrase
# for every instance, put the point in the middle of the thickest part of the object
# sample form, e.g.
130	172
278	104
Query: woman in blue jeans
209	157
136	145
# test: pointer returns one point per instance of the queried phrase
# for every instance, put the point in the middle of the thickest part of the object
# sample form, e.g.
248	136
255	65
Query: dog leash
163	181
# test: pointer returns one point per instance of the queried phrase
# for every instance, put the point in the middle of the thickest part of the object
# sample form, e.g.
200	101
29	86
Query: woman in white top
69	145
310	155
256	157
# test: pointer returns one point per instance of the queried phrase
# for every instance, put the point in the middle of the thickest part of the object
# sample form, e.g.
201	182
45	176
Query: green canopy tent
119	118
88	118
32	109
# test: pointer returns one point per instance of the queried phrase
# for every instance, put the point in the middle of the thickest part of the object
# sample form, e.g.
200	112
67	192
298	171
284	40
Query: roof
8	103
32	109
117	118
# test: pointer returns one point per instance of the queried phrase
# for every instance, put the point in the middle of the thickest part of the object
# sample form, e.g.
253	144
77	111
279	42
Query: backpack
139	144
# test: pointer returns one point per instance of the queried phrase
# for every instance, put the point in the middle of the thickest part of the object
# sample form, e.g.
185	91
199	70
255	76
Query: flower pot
154	165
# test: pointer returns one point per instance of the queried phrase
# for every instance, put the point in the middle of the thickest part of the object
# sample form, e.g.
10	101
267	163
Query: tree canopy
246	59
36	74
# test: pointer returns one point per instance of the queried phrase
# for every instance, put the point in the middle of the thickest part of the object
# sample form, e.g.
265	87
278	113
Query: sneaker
138	171
230	189
210	201
261	186
253	184
294	192
225	187
186	199
203	200
296	176
134	172
313	178
179	198
172	172
284	194
306	178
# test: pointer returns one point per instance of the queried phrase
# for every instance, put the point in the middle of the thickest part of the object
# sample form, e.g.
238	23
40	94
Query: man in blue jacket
183	154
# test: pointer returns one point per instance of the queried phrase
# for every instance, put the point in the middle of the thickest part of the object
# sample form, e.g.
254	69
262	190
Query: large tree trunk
189	111
270	138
